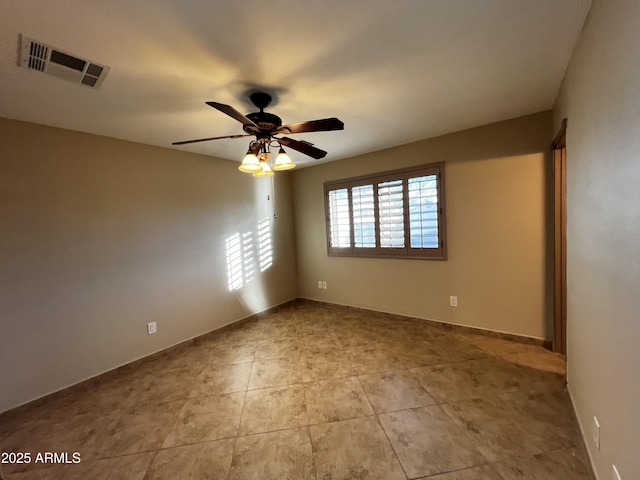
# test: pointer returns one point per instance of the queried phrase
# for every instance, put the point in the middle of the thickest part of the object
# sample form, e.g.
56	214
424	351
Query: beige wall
601	101
497	233
100	236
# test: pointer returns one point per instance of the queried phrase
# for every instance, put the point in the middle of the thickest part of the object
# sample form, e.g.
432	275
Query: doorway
560	240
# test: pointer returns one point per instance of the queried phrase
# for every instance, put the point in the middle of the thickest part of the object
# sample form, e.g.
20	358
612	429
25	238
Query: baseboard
452	327
592	472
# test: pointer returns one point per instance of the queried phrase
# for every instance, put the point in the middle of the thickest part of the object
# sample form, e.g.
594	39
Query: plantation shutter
339	218
391	214
423	211
364	221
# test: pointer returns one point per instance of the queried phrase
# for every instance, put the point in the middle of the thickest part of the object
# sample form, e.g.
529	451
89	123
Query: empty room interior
306	240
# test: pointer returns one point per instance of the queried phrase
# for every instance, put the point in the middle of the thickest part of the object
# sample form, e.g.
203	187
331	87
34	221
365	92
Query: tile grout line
308	429
304	388
235	441
375	414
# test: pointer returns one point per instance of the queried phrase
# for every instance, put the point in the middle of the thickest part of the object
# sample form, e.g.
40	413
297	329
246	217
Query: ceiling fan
266	127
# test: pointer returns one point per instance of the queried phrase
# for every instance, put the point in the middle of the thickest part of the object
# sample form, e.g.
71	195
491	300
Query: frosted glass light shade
265	171
250	164
283	161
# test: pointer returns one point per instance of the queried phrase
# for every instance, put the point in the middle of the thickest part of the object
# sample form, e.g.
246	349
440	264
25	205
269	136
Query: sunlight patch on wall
242	255
249	253
264	244
234	262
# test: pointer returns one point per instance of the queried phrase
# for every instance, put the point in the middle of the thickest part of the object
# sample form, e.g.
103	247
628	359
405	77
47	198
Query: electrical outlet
596	433
319	283
324	285
152	327
453	301
614	473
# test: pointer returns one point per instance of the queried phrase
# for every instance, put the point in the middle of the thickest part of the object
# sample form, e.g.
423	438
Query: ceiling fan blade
303	147
323	125
232	112
210	138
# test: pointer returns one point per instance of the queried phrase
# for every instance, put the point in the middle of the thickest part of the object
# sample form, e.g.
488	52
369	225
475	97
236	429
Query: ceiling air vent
44	58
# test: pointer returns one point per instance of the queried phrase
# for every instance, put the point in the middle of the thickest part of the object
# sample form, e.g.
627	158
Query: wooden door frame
559	148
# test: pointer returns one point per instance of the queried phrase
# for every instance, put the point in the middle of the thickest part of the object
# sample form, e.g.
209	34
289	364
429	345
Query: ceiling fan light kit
259	165
265	126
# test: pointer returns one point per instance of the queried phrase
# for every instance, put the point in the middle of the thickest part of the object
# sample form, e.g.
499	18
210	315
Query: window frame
375	179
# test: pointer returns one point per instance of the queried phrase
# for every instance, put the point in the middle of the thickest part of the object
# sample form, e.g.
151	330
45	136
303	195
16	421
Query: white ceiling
393	71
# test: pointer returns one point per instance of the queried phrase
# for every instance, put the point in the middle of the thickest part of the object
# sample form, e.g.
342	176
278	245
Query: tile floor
320	393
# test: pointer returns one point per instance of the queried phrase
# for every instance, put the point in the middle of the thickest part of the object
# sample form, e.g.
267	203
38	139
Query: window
397	214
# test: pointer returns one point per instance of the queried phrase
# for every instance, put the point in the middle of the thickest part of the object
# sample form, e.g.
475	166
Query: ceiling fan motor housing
266	121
